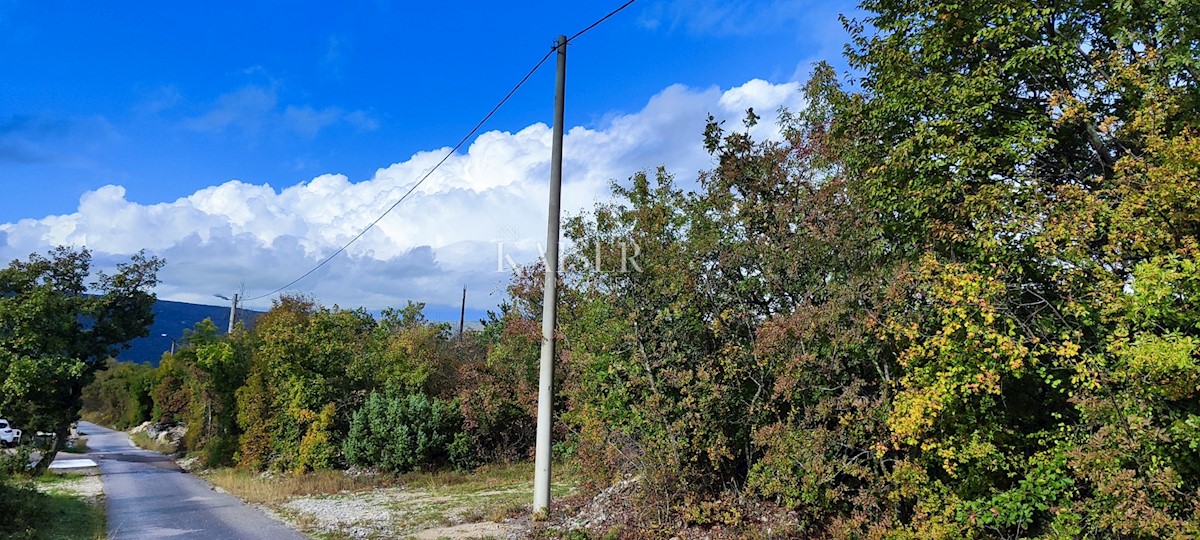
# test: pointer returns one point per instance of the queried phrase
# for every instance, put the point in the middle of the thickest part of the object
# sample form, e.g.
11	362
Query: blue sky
262	133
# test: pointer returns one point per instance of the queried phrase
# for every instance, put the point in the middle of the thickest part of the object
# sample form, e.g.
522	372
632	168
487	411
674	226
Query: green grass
42	508
78	446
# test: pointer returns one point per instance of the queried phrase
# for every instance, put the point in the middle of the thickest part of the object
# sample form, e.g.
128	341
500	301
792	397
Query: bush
316	450
22	508
461	453
16	462
219	451
401	433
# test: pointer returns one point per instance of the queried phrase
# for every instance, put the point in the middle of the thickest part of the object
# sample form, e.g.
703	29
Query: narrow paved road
148	496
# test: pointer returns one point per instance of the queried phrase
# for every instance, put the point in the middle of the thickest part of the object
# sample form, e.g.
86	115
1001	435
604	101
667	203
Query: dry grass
485	478
277	489
385	506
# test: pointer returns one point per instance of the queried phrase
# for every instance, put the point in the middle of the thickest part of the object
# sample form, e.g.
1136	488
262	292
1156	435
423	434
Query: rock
170	434
597	512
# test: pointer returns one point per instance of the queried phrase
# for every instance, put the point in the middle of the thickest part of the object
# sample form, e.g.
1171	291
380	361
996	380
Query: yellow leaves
1091	371
1065	108
1067	349
915	410
316	447
987	381
965	349
304	416
908	331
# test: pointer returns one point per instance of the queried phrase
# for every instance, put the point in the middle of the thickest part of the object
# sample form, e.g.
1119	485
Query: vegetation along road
149	496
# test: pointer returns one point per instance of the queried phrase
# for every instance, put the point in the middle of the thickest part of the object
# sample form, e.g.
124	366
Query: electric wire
414	187
600	20
445	157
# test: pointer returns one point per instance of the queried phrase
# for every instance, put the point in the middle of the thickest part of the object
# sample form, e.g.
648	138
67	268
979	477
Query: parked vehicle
9	436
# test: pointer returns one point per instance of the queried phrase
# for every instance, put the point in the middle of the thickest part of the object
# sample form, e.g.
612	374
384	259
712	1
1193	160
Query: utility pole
545	410
232	308
462	316
172	342
232	313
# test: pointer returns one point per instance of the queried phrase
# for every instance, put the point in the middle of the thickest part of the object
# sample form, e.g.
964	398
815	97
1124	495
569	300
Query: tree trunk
61	433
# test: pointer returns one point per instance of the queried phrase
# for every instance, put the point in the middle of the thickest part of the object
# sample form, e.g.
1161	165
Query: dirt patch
490	502
405	513
487	529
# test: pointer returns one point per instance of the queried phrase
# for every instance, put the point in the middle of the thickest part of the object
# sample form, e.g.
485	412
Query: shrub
401	433
461	453
316	450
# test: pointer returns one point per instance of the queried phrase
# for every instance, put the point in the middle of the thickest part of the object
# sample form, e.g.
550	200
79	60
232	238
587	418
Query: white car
9	436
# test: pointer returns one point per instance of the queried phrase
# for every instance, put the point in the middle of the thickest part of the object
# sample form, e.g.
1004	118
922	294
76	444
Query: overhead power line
597	23
445	157
414	186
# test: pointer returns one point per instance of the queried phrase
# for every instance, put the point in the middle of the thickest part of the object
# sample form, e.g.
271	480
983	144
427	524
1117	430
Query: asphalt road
148	496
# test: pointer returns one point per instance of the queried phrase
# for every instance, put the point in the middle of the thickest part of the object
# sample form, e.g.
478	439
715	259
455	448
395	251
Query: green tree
56	332
1035	163
197	385
303	360
121	395
498	375
408	353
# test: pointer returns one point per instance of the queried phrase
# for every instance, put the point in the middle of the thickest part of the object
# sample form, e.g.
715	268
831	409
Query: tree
55	333
121	395
302	385
198	384
1035	162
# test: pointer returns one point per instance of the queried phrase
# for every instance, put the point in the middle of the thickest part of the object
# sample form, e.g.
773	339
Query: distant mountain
172	318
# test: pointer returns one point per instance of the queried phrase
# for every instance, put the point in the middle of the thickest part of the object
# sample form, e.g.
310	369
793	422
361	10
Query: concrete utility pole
232	309
172	342
232	313
541	471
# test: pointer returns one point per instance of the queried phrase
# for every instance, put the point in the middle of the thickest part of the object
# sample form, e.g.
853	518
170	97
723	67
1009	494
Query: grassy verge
51	507
144	441
77	446
336	504
278	489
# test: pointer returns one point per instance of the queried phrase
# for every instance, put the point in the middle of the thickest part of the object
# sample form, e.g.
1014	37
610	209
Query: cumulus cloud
481	209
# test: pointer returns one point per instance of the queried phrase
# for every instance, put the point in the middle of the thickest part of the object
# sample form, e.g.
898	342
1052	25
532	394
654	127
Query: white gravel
394	513
88	487
339	512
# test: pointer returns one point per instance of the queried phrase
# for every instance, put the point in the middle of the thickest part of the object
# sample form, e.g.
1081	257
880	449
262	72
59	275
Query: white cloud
444	237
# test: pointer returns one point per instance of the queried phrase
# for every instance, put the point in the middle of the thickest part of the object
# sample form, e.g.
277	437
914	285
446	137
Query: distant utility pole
462	316
172	342
232	309
232	313
545	410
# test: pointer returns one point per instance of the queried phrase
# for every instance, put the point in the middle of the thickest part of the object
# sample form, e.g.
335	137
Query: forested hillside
171	320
